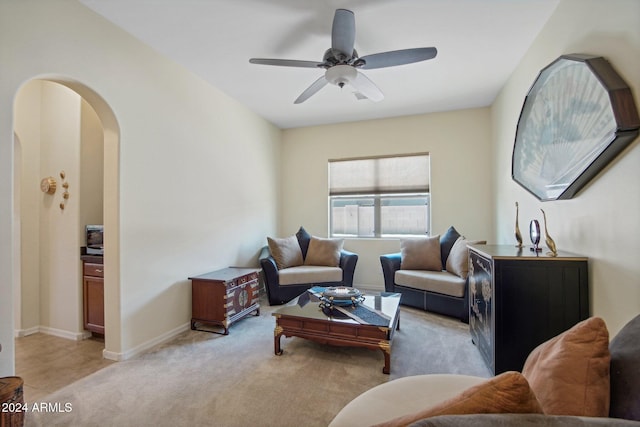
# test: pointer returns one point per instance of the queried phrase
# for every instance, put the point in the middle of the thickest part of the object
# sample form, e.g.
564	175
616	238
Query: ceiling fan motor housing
340	75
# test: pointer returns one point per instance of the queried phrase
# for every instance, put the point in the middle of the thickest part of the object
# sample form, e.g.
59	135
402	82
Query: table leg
277	333
385	346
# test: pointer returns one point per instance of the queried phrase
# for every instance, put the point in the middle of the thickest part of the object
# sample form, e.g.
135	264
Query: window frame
379	199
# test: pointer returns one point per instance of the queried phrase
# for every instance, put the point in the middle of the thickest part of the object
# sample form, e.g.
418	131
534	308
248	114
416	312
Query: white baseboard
75	336
110	355
19	333
118	357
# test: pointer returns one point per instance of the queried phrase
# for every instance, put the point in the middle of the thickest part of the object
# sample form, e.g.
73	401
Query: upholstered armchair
432	278
294	264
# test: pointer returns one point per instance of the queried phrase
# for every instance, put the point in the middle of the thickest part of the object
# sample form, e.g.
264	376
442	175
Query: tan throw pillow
286	251
324	252
420	253
458	259
570	372
508	392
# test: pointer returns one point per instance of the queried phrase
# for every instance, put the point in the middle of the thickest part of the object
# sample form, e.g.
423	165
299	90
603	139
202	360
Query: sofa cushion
570	372
625	372
285	251
458	260
324	252
446	243
508	392
303	239
432	281
420	253
306	274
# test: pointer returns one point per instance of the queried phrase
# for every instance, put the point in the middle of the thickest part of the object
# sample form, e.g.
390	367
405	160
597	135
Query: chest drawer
95	270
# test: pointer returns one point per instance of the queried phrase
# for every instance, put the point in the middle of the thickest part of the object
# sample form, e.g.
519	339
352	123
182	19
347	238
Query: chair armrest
269	269
348	262
390	264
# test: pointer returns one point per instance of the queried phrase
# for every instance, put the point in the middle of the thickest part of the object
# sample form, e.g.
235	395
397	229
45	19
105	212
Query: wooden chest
224	296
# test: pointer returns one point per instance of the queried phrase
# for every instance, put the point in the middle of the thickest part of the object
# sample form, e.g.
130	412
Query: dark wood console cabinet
519	299
224	296
93	293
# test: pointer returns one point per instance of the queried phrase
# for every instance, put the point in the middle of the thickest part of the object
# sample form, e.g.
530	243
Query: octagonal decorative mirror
578	115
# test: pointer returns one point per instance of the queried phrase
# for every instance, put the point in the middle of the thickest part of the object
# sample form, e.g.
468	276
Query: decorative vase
518	234
547	239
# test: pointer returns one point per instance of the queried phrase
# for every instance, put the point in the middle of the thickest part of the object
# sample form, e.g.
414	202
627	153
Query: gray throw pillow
420	253
446	243
324	252
625	372
303	239
285	251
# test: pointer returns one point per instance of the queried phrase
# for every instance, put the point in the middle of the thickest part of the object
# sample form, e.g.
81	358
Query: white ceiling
479	43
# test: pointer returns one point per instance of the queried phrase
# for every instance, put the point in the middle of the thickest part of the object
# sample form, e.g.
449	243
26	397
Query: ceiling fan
341	61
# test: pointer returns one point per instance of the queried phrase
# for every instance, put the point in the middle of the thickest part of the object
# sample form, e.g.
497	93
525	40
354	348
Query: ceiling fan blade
343	34
366	87
287	62
397	57
311	90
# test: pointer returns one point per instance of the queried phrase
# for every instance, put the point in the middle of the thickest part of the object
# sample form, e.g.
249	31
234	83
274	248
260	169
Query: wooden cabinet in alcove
93	293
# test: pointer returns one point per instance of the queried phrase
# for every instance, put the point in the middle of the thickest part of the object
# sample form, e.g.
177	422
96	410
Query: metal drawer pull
98	270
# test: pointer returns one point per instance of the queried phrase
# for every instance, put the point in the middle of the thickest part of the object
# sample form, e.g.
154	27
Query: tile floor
47	363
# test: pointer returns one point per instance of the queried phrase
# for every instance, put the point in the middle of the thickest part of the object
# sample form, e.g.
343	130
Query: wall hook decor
48	185
547	239
65	195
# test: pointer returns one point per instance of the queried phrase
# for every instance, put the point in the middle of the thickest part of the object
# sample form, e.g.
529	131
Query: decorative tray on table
340	296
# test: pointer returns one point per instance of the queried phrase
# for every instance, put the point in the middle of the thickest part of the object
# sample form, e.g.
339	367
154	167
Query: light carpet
204	379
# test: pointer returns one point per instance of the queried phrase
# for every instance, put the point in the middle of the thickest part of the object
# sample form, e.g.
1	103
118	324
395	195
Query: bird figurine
547	239
518	234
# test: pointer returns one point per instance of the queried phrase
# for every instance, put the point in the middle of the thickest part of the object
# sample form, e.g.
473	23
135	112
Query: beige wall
60	291
91	169
601	221
27	262
56	125
459	147
197	178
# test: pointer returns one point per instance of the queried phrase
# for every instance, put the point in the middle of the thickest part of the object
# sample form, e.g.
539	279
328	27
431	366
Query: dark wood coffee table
371	325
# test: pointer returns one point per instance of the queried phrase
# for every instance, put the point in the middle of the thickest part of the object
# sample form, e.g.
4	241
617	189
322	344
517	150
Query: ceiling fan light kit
340	75
341	61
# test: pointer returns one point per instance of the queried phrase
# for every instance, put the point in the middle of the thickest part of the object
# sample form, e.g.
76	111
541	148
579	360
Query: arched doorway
62	314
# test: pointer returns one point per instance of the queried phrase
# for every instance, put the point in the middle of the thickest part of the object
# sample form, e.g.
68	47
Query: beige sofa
578	378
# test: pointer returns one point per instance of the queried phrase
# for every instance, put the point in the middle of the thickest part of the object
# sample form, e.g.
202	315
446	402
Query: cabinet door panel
481	305
94	304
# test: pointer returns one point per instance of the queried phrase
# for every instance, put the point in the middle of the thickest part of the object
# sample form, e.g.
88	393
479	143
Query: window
379	197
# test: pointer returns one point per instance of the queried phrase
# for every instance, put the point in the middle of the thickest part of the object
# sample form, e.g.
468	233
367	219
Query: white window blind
379	196
379	175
